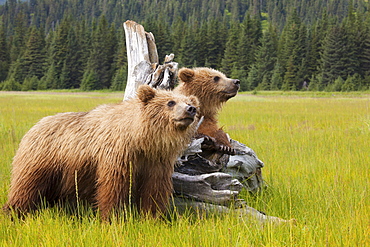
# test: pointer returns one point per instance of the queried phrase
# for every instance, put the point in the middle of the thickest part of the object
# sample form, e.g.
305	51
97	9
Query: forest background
267	44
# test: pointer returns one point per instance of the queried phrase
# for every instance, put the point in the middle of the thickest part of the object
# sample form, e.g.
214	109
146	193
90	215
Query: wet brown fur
102	150
211	94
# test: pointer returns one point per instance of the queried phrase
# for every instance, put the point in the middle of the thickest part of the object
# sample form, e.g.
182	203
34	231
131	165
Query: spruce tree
333	58
119	80
231	55
276	78
34	58
266	56
188	50
101	58
292	51
19	36
252	80
249	41
216	36
11	85
51	78
4	54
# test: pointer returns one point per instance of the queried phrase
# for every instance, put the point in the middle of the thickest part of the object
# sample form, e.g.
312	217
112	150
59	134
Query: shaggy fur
103	152
212	88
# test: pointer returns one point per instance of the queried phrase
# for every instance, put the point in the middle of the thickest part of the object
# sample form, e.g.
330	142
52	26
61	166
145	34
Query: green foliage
337	85
4	54
315	39
119	80
89	81
10	85
30	83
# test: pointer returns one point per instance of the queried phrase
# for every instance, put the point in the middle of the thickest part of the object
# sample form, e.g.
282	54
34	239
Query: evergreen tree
290	76
4	54
119	80
72	70
51	78
349	84
276	79
337	85
216	37
266	56
364	49
18	39
202	48
178	29
60	48
101	60
34	58
231	55
90	81
11	85
352	41
249	41
333	58
252	81
30	83
292	51
188	50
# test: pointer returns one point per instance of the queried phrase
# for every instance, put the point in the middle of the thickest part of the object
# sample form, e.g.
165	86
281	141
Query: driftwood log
200	184
143	62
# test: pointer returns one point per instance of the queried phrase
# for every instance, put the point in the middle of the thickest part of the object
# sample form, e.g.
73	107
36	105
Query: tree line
268	45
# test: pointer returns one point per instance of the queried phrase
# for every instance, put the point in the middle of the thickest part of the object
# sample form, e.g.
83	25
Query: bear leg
112	191
154	191
30	189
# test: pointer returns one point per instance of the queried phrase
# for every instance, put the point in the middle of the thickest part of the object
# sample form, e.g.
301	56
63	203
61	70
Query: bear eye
171	103
216	78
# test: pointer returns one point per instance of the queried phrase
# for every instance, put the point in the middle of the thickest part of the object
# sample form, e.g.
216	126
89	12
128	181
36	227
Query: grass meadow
316	150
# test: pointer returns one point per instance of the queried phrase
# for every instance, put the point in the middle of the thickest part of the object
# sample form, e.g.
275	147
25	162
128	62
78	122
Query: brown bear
106	155
212	88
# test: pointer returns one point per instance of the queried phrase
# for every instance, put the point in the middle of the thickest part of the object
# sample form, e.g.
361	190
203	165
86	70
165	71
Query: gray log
217	187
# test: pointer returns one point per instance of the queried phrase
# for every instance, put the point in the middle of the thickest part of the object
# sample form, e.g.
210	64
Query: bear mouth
186	121
229	94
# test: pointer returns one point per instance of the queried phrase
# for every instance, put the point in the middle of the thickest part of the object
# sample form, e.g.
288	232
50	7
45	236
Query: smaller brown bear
212	88
96	156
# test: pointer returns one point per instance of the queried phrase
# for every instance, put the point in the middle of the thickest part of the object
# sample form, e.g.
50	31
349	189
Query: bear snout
191	110
236	82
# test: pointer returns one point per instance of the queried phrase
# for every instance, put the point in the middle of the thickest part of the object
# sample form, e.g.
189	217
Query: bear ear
145	93
186	75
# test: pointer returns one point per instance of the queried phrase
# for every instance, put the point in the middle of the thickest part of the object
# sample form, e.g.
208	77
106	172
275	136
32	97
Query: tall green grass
316	152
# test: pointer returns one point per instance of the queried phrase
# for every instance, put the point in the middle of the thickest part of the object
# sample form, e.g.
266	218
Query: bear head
168	108
209	85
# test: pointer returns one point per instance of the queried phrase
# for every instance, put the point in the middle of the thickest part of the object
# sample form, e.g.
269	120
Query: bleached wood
142	60
141	48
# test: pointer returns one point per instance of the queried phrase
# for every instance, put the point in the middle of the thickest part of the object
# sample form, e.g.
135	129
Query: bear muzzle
236	82
191	110
232	89
188	117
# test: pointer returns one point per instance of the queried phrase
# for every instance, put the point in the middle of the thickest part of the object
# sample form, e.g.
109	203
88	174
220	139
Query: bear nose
191	110
236	82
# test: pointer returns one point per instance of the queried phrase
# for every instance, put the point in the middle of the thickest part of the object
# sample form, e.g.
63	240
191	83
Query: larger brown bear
212	88
101	153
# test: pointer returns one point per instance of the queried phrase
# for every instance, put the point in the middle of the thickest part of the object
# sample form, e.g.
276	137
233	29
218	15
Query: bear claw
210	143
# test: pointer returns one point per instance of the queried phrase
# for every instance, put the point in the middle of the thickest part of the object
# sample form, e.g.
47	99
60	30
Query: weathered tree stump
200	184
143	62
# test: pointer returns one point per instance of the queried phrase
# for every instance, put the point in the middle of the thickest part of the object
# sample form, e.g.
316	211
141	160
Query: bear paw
211	144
